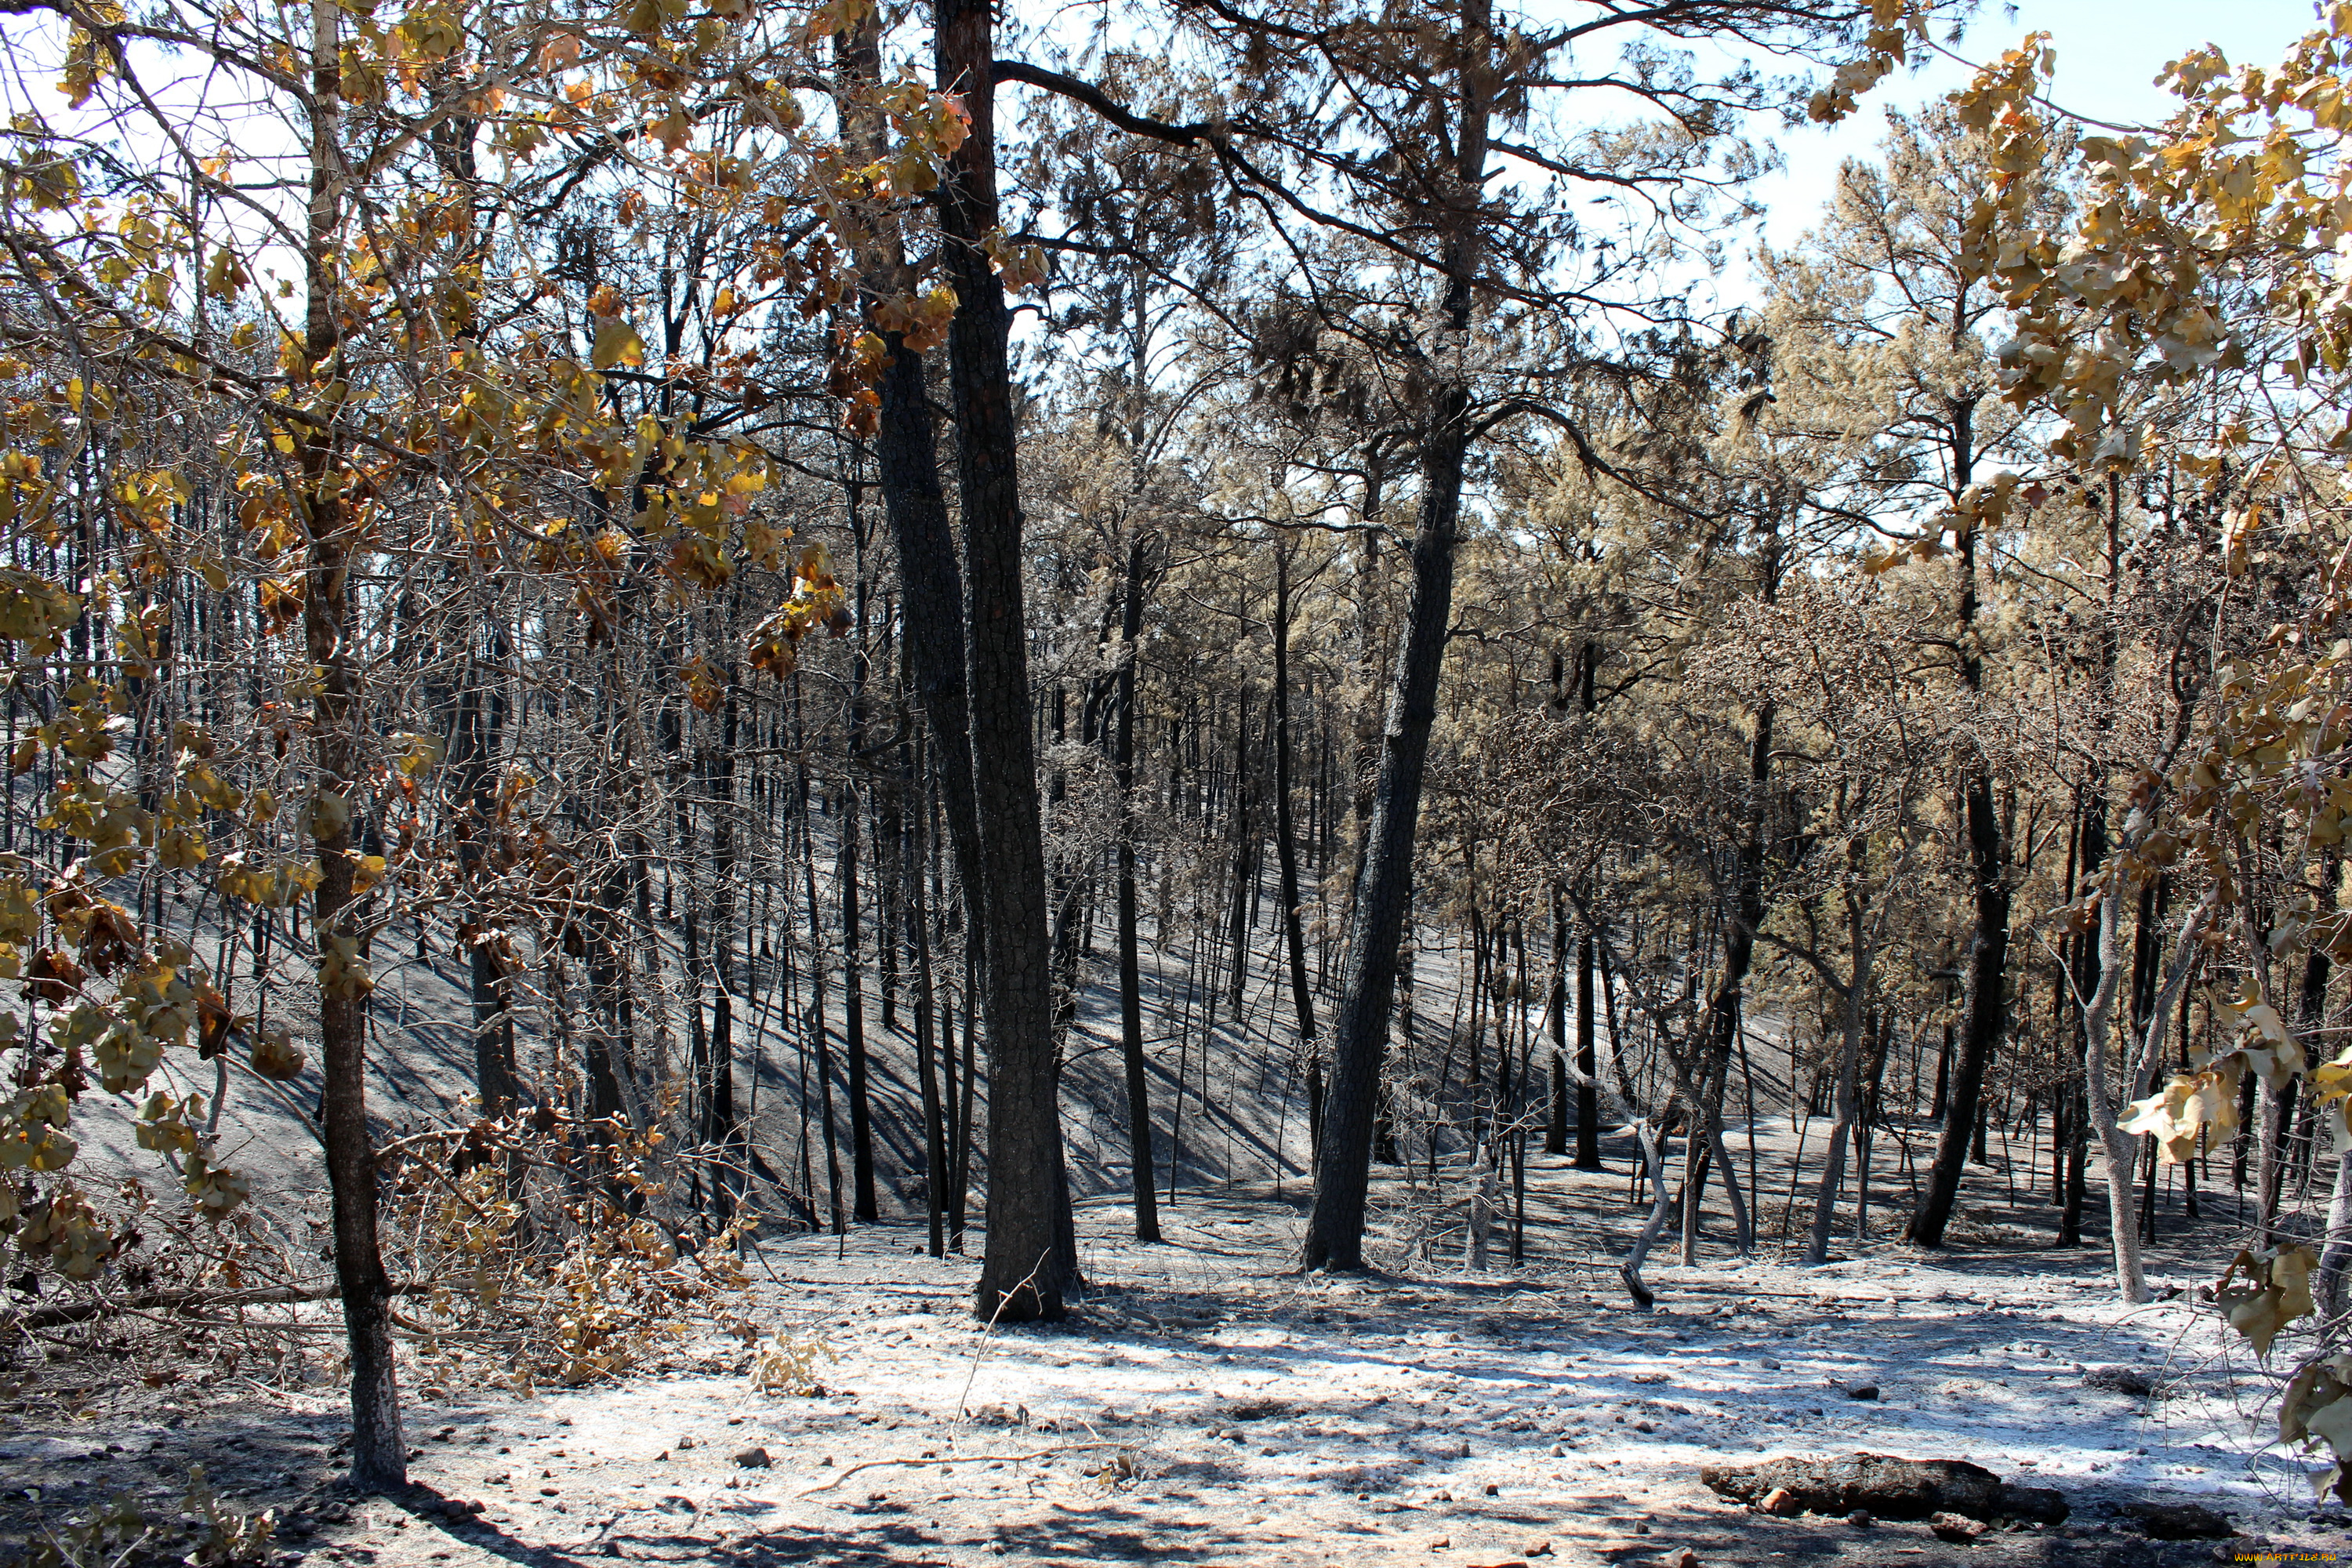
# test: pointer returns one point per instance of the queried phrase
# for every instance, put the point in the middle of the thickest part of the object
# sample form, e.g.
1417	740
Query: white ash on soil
1207	1405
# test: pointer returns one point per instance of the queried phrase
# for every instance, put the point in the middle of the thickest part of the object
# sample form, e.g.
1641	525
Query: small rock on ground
2179	1522
1958	1529
2118	1380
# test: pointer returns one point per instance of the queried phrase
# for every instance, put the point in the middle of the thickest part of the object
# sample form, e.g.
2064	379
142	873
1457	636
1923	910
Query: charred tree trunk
1285	830
2083	980
853	1019
1724	1006
1335	1230
1022	1271
1130	974
1555	1010
917	910
915	508
1985	1012
475	737
1588	1059
1849	1097
813	1027
378	1452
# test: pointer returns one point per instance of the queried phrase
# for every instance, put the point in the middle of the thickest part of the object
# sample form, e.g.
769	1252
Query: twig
82	1311
1003	1300
292	1401
961	1459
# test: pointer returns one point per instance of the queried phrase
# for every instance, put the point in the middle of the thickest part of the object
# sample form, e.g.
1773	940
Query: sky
2108	55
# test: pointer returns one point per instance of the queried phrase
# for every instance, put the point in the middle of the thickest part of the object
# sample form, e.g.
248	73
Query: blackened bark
919	936
2337	1247
1368	982
914	505
603	1046
378	1452
1724	1006
2082	977
1237	924
1983	1018
1588	1055
1130	974
825	1104
930	595
1588	1058
1335	1230
1285	830
1556	1009
853	819
1849	1073
474	738
813	1026
1943	1076
890	834
1022	1269
1986	1010
2278	1123
852	1017
2077	1156
722	1129
959	1180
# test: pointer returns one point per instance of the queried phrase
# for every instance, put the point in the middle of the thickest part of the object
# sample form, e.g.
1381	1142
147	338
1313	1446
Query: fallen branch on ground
273	1296
961	1460
1886	1487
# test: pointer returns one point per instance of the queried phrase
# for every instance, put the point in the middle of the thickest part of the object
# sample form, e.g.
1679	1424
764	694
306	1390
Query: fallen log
1886	1487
